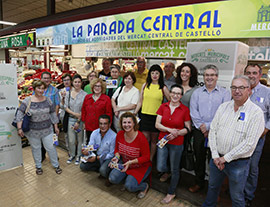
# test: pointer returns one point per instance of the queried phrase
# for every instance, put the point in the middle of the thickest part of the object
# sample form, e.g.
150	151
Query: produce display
26	78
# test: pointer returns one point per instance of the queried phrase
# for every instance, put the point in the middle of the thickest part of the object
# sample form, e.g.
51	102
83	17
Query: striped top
235	134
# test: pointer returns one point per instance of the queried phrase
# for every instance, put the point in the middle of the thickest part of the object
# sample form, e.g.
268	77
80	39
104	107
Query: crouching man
104	138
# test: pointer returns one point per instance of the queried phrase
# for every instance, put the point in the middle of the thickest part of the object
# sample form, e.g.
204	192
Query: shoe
77	161
168	198
194	189
58	170
108	183
142	194
248	202
39	171
70	160
165	177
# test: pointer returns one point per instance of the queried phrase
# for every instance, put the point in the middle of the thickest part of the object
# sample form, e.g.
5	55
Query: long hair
193	81
155	67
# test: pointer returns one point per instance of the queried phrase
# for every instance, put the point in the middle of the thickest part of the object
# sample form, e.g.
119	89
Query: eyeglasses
209	75
176	94
240	88
65	80
97	86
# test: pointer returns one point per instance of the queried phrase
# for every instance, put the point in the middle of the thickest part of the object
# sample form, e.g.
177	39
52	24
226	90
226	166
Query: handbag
26	119
187	160
66	117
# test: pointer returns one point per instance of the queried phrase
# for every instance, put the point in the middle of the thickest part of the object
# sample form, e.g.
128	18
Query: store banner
10	142
24	40
223	19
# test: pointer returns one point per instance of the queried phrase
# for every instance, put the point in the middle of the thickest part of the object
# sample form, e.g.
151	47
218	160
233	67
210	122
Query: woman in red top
132	149
173	120
94	105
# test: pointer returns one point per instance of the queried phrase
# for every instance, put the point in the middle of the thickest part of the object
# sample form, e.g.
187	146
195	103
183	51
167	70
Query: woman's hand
126	166
76	126
174	132
170	137
77	115
20	133
63	93
84	151
56	129
116	113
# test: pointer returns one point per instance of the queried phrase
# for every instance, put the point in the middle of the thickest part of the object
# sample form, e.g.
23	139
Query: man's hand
84	152
220	163
91	159
203	128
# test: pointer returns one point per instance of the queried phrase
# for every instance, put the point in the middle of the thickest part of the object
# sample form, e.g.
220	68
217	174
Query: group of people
127	120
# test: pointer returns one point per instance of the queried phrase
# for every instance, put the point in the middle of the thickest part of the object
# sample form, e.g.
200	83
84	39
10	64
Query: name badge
103	77
242	116
260	99
111	83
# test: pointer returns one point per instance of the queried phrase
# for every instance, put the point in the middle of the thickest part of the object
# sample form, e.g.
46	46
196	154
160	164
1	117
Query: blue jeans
73	137
103	169
175	154
47	141
252	179
131	183
237	172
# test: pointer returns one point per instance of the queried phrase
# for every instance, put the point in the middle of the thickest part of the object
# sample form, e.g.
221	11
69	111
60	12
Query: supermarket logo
210	56
5	80
263	19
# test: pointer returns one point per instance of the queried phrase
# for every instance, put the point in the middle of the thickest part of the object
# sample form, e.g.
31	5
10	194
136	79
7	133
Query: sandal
165	177
39	171
142	194
58	170
168	198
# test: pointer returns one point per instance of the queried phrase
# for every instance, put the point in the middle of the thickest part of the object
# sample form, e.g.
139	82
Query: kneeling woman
173	120
131	149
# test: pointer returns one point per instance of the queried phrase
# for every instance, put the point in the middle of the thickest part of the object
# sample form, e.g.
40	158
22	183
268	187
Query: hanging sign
24	40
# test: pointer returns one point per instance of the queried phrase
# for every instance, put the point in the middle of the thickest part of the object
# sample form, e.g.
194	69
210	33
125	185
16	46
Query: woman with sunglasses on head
173	121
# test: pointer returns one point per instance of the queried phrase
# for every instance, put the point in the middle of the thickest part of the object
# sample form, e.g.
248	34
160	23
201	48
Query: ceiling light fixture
8	23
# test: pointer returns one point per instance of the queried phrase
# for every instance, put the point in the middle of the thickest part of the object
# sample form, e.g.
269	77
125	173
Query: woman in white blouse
125	98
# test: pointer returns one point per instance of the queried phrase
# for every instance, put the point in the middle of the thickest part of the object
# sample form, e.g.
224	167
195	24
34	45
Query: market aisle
22	187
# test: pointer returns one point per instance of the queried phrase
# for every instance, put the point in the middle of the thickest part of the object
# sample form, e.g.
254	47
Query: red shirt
176	120
91	110
139	149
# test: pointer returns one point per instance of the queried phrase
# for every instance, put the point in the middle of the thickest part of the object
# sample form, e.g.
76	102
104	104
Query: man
169	79
261	97
141	73
106	72
52	93
105	138
204	103
234	133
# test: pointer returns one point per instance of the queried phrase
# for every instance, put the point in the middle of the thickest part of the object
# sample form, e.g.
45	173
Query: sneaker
70	160
77	161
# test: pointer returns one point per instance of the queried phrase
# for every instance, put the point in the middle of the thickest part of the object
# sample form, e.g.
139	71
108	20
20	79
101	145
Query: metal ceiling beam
103	9
50	7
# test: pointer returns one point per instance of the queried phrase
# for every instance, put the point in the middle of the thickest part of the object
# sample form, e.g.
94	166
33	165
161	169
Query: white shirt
126	98
235	134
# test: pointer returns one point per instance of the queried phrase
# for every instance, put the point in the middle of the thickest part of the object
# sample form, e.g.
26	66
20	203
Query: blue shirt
52	93
261	97
106	144
204	104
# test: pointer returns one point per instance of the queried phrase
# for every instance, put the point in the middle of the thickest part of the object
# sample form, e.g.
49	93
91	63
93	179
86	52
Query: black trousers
200	156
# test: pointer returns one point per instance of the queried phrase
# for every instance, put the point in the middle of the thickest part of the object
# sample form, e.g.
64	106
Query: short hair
98	80
46	72
244	77
131	74
193	81
105	116
66	75
170	64
115	66
143	58
254	65
132	116
177	86
106	59
91	73
155	67
77	76
210	66
38	83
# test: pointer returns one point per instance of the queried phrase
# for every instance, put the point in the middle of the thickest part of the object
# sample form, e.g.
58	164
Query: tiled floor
22	187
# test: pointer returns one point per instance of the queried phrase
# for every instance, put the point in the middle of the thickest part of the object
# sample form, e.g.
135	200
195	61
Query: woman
42	122
125	98
151	98
73	105
94	105
131	149
115	75
66	78
91	76
187	77
173	120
